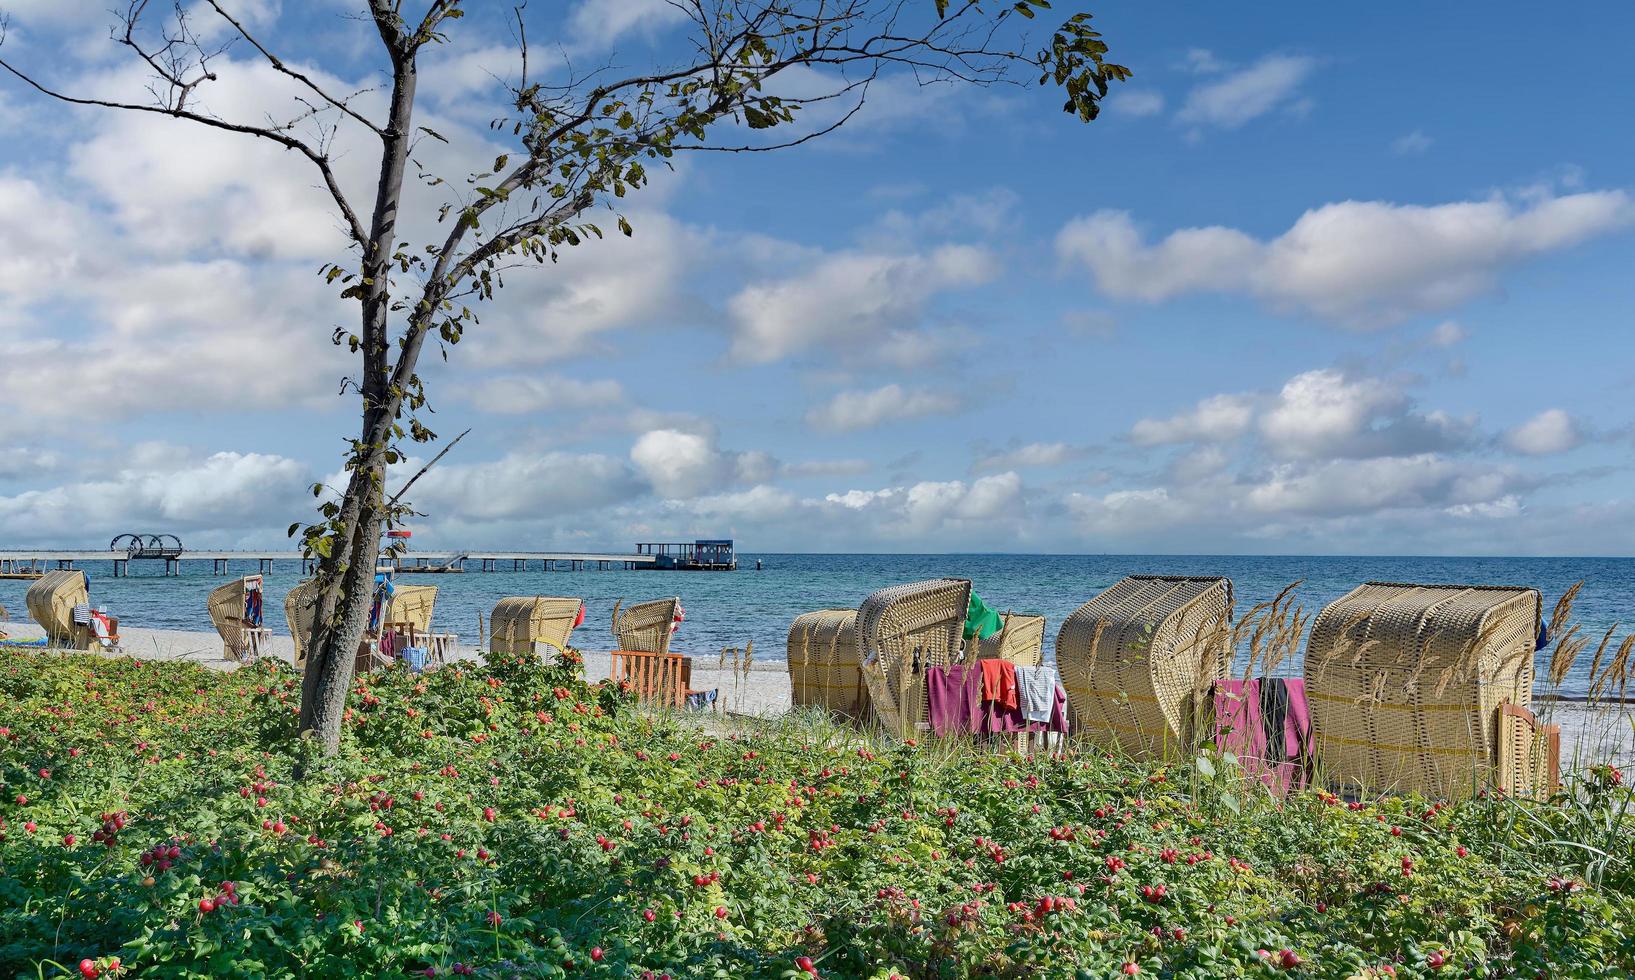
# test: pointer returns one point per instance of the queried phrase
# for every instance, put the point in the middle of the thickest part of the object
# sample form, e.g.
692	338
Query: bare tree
583	141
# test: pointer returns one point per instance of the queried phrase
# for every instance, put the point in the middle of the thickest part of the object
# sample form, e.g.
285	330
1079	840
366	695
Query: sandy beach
1589	733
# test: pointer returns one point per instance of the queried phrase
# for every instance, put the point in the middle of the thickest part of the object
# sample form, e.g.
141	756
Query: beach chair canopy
411	605
1138	660
902	631
300	610
235	609
51	601
1021	641
646	627
1406	683
519	622
825	663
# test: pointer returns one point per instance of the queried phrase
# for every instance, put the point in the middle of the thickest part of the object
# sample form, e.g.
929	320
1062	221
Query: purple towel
953	698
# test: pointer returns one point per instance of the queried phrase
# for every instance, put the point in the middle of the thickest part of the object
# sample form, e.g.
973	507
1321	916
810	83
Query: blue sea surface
733	608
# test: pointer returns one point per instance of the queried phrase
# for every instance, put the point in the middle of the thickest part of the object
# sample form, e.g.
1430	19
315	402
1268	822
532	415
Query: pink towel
1267	725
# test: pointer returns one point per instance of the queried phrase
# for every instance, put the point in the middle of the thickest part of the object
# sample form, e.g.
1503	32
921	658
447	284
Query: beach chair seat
1021	641
1406	684
825	663
904	630
646	627
52	601
519	624
236	611
1137	661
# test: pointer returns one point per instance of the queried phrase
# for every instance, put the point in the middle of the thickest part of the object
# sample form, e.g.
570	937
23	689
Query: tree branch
279	65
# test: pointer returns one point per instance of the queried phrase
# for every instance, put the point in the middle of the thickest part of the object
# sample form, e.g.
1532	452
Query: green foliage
510	819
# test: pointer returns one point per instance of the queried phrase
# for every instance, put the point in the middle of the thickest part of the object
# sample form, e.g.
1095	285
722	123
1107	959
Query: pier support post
218	566
265	565
121	567
173	566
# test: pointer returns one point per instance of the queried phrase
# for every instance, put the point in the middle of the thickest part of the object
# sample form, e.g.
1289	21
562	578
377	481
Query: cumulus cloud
689	464
1411	144
847	297
1240	96
932	507
1361	263
225	493
525	394
1550	431
525	486
1031	454
1137	102
850	411
602	22
1326	413
1214	419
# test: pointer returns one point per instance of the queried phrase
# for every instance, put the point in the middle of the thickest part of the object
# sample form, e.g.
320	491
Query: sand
1589	734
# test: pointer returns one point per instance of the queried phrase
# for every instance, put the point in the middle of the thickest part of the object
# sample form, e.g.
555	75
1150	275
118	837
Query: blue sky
1322	279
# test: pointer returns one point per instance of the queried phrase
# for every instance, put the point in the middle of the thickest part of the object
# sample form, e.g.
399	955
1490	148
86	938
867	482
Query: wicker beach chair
1137	661
1407	682
903	630
300	610
411	606
645	627
235	609
51	601
1021	641
825	663
519	623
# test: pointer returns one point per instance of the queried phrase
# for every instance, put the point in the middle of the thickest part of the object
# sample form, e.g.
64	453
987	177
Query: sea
733	609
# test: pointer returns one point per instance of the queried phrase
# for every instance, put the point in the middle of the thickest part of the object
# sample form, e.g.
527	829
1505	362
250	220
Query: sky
1322	279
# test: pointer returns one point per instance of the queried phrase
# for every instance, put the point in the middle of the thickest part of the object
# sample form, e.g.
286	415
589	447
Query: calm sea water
733	608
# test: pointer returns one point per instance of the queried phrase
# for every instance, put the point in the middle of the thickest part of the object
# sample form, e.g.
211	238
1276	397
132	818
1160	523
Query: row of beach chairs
1423	688
521	625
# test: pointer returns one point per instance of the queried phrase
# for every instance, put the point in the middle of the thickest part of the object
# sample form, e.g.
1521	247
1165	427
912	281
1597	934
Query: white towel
1036	689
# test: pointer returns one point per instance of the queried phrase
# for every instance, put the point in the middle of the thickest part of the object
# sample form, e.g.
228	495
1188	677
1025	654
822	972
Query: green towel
980	620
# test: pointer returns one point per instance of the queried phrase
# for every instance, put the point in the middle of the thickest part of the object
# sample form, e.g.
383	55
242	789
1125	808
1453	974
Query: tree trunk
346	578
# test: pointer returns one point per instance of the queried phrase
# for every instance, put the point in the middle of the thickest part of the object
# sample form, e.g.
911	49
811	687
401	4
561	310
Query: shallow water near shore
733	608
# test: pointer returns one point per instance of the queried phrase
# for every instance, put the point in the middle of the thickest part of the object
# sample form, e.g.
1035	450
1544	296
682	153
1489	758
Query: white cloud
1137	102
1202	61
1236	98
1550	431
688	464
46	240
930	509
1032	454
526	394
828	467
524	486
1362	263
1448	333
1411	144
1367	486
1326	413
227	493
850	411
602	22
847	297
1218	418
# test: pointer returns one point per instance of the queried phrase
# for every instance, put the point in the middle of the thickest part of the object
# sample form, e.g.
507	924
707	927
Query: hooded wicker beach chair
235	609
825	663
519	623
411	606
51	601
645	627
903	630
1021	641
1138	660
1407	686
300	610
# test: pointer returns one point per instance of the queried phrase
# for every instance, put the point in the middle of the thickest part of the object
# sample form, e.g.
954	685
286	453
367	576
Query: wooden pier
30	563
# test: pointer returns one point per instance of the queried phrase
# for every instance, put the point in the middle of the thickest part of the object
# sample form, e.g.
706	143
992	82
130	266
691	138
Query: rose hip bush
508	820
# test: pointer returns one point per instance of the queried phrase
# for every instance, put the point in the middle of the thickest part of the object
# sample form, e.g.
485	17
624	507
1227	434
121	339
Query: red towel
999	682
